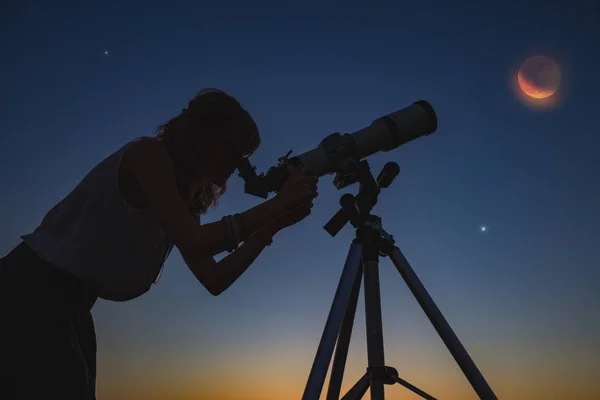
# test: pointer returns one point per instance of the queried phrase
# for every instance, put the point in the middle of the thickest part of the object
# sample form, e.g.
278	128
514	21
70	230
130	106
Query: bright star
483	228
105	52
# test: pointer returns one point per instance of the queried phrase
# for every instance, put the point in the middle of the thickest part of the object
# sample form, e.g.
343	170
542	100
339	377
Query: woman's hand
294	201
300	189
292	217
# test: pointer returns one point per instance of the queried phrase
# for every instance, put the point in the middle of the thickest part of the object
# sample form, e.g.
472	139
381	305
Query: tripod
370	243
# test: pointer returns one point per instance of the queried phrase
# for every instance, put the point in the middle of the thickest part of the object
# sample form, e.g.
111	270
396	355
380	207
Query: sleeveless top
96	236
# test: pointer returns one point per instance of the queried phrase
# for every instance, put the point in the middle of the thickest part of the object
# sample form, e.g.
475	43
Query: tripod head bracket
374	223
357	209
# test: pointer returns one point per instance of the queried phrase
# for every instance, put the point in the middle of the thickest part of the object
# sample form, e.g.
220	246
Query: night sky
77	82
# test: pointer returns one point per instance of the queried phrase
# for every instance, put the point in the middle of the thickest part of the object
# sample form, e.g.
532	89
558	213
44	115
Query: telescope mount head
357	209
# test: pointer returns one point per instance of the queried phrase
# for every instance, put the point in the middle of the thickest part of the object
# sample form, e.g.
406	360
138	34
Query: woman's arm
153	169
151	165
252	220
300	188
216	277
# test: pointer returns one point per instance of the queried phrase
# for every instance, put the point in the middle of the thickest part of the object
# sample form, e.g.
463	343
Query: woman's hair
211	116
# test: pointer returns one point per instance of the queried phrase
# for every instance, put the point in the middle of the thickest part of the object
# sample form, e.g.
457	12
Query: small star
105	52
483	228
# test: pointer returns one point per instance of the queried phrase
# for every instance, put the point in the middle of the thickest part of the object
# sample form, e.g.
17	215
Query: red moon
539	77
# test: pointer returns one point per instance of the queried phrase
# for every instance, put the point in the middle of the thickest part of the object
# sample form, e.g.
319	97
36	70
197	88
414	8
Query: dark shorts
47	337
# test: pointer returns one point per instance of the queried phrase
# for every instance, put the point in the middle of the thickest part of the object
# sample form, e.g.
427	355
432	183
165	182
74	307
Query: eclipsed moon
539	77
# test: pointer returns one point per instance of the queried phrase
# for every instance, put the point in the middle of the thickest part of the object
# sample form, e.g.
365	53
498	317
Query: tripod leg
359	389
343	342
464	361
318	372
375	349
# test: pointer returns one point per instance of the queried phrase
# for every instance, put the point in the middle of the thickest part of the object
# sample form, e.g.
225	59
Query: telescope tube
334	151
384	134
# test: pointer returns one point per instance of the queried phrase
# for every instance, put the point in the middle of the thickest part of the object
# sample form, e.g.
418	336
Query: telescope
342	153
345	155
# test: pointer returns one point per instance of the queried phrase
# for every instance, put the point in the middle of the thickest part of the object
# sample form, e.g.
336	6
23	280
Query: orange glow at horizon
279	372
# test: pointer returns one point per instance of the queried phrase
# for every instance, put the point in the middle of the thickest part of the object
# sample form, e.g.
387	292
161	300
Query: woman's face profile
225	160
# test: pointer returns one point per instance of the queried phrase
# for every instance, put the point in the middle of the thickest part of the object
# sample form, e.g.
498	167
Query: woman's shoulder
141	159
146	153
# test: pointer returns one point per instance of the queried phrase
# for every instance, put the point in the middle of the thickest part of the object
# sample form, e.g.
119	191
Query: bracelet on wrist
243	229
231	241
235	230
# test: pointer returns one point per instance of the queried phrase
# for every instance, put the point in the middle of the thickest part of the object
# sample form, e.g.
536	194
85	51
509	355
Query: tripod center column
374	322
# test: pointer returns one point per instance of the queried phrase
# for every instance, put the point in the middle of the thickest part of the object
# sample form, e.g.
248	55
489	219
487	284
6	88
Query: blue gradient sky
523	296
